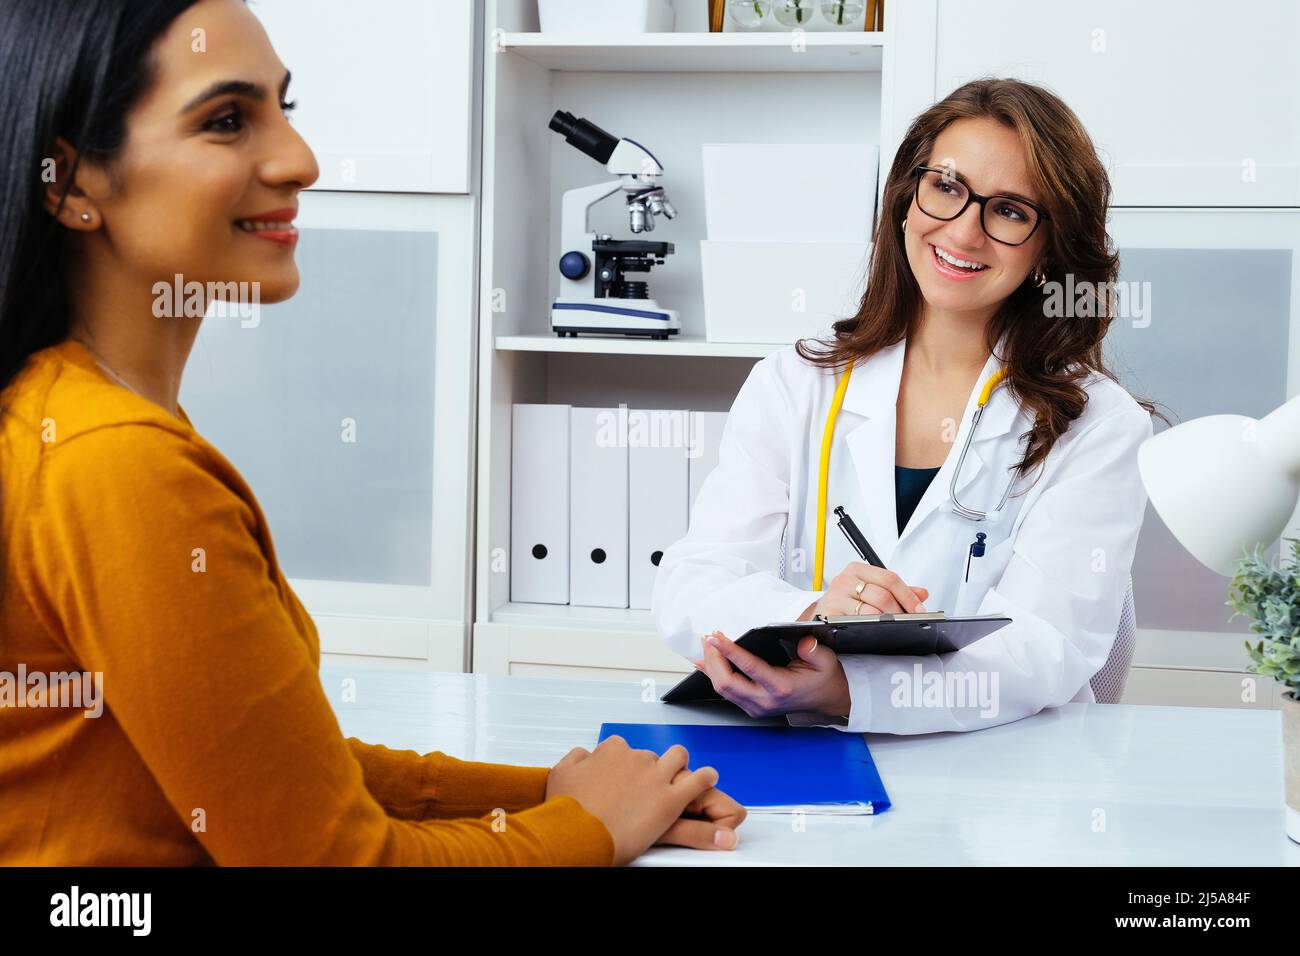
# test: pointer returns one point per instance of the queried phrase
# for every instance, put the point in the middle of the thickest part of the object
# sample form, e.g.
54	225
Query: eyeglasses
940	195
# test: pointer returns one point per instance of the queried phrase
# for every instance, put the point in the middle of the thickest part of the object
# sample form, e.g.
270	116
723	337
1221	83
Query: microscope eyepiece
584	135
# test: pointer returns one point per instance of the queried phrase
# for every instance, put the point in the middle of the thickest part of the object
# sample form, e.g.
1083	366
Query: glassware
749	13
794	13
842	13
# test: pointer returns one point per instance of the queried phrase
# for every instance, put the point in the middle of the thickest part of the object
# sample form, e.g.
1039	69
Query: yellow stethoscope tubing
823	470
823	474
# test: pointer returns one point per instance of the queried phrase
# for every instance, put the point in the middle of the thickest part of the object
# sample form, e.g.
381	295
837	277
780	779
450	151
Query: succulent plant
1269	594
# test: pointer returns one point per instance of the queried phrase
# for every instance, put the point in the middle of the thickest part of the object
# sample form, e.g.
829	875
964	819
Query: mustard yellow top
216	743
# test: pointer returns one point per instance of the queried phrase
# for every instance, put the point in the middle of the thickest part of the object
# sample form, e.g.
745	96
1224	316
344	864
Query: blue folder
772	768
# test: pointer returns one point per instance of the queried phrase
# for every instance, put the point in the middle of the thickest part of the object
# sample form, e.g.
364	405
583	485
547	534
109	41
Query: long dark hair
1046	358
69	68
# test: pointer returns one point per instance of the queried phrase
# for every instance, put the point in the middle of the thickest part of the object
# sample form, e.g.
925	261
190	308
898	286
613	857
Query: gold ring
857	591
858	609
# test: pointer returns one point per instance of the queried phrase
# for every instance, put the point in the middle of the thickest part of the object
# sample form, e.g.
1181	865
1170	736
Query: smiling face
207	183
990	160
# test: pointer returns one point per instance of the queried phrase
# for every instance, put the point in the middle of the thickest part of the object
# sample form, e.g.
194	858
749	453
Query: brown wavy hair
1046	358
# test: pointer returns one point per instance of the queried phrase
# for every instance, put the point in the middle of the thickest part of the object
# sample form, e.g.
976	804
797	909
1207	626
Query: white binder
598	507
706	437
658	494
539	504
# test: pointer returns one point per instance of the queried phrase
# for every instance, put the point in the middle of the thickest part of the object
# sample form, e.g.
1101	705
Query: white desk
1085	784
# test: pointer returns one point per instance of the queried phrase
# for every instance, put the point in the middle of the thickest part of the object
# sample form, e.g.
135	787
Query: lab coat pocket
985	572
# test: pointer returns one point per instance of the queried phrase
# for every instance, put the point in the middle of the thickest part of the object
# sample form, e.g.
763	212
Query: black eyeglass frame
973	197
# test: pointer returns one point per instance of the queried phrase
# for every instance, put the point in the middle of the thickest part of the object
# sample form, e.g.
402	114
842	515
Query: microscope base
645	333
638	317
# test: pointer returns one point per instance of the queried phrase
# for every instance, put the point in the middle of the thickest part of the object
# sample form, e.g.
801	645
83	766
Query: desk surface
1082	784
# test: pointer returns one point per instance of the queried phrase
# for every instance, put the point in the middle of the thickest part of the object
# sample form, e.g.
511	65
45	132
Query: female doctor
964	398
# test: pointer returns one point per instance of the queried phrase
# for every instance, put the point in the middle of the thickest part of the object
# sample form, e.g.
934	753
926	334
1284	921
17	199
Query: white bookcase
672	92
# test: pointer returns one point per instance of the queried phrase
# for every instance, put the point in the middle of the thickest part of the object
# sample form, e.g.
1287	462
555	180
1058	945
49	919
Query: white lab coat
1057	563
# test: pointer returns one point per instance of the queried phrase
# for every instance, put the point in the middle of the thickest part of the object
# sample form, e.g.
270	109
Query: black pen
860	543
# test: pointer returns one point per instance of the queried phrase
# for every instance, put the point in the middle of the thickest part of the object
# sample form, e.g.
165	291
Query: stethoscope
976	549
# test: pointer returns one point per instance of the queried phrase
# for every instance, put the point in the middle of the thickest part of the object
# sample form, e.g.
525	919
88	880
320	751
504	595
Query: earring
904	226
85	217
1040	277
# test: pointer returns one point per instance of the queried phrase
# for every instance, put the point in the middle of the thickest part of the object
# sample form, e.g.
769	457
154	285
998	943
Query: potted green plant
1269	594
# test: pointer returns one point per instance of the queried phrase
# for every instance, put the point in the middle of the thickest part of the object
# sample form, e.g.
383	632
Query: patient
144	140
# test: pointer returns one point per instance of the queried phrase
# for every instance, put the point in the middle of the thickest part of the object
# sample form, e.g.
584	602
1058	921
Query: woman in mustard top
145	139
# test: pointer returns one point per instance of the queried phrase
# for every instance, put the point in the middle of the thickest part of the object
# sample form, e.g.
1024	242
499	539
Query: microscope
595	295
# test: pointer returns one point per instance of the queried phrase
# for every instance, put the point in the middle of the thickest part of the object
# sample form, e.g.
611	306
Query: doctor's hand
878	590
813	682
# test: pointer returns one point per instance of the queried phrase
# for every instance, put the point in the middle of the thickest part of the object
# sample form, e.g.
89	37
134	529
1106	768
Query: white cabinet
349	408
345	408
1190	102
385	90
1217	330
1195	109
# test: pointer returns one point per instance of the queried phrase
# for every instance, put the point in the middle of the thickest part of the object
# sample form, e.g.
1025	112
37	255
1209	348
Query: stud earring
85	217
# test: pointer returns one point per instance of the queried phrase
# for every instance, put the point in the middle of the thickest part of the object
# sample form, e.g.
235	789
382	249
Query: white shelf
700	52
572	617
683	345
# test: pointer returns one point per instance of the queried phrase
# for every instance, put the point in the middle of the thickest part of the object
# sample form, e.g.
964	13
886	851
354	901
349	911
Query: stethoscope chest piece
976	550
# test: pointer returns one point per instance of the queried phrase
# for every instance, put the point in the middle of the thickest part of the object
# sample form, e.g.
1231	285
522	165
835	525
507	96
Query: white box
658	494
779	291
605	16
706	441
784	192
539	504
598	507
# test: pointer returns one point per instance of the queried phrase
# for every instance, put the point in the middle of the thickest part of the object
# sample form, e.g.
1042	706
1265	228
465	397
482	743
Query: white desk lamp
1225	483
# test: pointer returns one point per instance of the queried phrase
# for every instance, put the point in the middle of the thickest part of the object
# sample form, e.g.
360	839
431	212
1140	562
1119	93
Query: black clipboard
930	633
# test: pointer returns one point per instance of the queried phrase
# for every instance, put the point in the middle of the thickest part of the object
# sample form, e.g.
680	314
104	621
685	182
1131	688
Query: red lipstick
280	231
